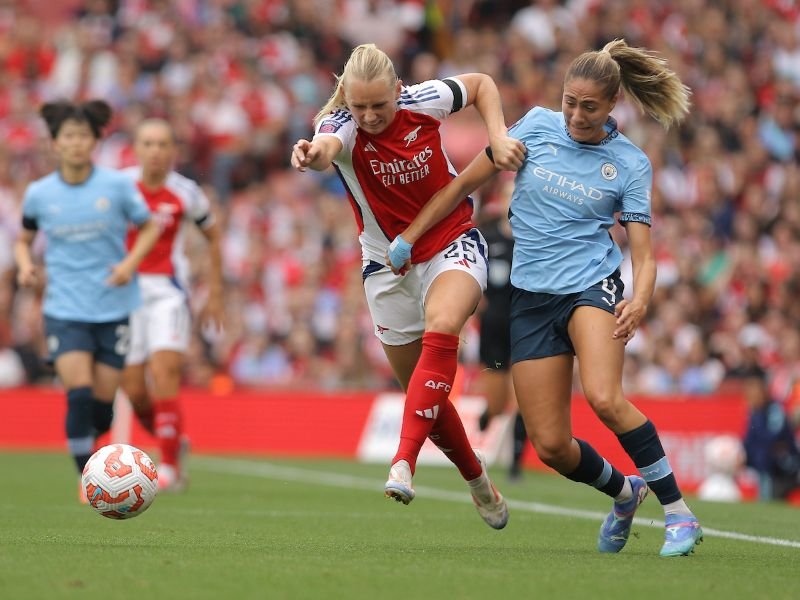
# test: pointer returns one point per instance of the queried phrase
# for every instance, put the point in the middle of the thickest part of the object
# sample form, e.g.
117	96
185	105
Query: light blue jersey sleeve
565	199
634	206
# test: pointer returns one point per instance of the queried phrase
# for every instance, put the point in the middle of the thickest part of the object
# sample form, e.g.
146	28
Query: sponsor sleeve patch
330	126
632	217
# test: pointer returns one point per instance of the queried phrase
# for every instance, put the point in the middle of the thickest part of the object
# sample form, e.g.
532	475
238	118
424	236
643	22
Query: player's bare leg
165	367
497	388
600	365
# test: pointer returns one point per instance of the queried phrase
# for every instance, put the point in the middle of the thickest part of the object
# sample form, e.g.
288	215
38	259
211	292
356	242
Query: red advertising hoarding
343	424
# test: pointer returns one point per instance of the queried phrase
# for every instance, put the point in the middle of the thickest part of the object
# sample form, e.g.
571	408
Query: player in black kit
494	316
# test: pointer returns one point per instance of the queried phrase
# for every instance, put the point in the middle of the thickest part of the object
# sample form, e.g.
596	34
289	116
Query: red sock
168	426
427	391
449	435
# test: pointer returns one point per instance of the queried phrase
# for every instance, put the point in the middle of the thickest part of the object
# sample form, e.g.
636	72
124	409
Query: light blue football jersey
564	200
85	227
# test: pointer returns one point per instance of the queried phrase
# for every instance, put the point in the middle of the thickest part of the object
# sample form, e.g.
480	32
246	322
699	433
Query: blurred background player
770	444
384	140
494	316
161	327
84	212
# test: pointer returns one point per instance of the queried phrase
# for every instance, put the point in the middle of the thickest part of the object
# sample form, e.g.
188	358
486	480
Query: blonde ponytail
644	77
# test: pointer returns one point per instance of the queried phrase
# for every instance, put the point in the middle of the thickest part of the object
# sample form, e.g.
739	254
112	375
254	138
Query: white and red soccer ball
724	456
120	481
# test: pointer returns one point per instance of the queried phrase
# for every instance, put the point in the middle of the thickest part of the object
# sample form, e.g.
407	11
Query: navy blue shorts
107	342
539	321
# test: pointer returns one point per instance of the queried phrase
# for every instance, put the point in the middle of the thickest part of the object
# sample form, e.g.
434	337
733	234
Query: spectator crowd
241	79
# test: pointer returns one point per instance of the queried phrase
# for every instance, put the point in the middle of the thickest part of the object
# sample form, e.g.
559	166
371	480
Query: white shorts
163	322
397	303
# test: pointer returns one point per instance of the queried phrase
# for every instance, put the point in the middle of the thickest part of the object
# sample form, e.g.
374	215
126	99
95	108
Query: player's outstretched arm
479	171
213	312
122	272
508	153
317	154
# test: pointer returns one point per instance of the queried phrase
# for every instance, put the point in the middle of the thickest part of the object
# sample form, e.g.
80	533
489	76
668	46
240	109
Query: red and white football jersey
389	177
179	201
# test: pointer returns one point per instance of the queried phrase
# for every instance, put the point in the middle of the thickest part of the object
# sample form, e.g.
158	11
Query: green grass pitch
263	528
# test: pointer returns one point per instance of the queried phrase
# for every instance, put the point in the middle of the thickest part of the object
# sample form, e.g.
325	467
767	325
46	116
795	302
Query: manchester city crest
608	171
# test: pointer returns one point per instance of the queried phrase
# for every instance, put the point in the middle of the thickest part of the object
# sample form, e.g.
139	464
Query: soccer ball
120	481
724	454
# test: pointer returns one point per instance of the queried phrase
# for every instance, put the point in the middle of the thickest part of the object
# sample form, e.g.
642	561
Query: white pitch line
270	471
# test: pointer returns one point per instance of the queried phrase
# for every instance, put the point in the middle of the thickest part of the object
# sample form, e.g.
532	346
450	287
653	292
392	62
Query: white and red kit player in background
161	327
383	139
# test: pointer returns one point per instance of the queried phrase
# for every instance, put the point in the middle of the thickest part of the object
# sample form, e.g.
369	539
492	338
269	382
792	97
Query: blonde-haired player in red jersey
383	139
161	327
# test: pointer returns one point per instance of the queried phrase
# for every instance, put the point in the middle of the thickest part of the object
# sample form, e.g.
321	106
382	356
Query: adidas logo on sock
428	413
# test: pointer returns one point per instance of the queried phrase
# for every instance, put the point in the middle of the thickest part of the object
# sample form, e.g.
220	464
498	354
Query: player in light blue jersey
567	301
84	212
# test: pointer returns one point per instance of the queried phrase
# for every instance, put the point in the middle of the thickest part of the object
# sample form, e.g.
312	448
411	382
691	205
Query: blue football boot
682	534
617	526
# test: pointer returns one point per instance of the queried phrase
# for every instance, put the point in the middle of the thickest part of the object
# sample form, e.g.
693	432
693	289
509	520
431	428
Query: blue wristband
399	252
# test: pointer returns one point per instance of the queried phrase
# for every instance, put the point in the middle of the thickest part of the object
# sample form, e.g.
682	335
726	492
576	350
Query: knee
449	324
607	405
165	373
553	451
166	367
166	382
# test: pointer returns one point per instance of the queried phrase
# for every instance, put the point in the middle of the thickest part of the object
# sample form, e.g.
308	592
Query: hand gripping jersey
564	200
389	177
178	201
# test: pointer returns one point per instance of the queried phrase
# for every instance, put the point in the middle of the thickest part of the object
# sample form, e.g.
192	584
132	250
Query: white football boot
399	484
490	503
